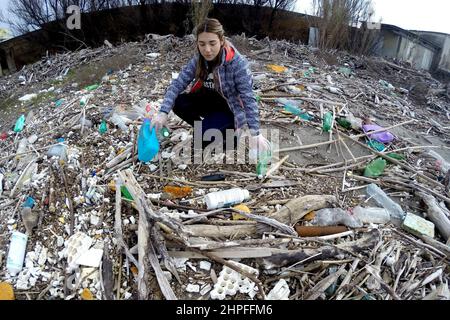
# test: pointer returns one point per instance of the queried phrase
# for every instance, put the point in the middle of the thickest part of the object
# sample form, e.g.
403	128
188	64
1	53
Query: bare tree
279	5
339	21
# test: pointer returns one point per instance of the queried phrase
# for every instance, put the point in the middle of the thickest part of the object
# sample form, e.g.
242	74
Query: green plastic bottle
326	123
344	123
92	87
103	127
375	168
262	165
19	124
396	156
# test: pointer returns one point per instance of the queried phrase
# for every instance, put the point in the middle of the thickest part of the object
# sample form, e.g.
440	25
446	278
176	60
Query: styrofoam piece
90	258
193	288
230	282
280	291
76	246
205	265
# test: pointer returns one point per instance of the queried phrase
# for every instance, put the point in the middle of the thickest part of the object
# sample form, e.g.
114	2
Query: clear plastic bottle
226	198
395	211
372	215
335	216
16	253
23	143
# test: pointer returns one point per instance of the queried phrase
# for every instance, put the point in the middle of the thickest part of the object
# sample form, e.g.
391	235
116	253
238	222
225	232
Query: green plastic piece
125	193
344	123
164	132
19	124
396	156
326	123
375	168
375	145
103	127
92	87
258	99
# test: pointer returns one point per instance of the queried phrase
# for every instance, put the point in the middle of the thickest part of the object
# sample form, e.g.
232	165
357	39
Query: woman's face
209	45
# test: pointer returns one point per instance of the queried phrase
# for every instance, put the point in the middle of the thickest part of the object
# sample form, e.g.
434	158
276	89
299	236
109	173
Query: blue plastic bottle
148	145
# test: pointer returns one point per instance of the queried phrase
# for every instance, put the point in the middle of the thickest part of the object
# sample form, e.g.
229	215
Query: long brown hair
212	26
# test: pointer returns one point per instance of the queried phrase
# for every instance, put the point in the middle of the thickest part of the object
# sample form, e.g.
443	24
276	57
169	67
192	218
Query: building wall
419	56
444	63
390	45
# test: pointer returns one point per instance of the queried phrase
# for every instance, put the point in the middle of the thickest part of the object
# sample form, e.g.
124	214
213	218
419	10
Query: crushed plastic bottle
395	211
375	168
148	144
20	123
59	150
178	192
335	216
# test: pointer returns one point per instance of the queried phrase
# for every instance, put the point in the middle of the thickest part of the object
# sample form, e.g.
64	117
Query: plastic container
16	253
226	198
395	211
59	150
148	144
20	123
327	121
375	168
372	215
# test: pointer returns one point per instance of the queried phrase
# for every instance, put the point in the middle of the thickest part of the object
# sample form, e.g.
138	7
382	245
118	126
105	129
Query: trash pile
353	204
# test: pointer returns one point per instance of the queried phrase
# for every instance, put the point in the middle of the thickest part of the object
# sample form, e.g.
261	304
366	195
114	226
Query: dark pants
206	106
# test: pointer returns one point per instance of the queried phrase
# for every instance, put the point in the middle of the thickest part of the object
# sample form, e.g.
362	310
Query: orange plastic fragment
178	192
87	294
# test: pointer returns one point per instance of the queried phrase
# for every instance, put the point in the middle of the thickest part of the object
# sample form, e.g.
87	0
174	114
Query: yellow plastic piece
6	291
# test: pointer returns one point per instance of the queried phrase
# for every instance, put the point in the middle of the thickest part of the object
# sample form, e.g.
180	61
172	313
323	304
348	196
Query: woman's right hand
159	121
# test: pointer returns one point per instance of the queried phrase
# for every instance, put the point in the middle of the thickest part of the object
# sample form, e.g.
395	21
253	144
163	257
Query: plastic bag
148	144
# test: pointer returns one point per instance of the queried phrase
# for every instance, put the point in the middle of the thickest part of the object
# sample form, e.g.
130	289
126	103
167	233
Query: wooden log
436	214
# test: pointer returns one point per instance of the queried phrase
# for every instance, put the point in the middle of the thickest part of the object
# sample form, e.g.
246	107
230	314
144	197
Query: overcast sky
428	15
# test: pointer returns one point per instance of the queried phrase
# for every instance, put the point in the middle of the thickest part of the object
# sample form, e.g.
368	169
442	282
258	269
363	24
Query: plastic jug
148	144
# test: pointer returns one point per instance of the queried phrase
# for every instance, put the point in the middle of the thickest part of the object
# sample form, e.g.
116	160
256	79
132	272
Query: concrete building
404	45
442	40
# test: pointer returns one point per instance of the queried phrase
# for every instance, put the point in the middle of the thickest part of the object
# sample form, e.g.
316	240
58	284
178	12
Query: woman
221	96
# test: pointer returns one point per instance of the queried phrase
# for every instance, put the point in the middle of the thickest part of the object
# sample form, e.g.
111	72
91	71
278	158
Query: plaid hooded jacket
232	79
